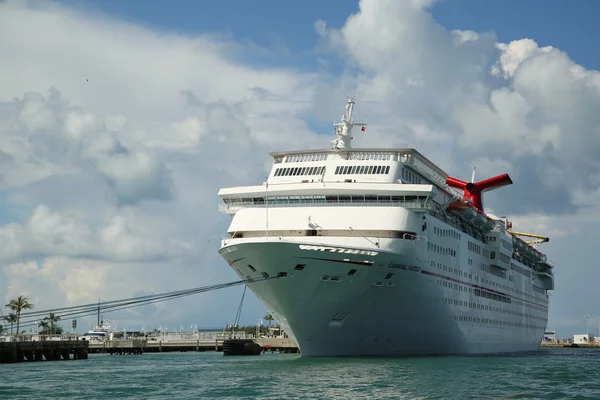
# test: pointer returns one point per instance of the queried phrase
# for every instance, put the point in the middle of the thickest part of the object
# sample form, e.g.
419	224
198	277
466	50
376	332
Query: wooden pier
138	346
50	350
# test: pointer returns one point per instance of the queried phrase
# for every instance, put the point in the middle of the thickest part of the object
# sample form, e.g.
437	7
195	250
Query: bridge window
360	155
362	170
293	158
299	171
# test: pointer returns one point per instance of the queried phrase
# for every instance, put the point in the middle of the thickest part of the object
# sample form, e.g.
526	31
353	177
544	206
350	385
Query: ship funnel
472	191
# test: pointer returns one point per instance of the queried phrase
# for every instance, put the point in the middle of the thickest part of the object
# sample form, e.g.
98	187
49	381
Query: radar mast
343	130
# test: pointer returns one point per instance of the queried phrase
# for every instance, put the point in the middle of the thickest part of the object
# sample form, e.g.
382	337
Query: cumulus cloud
49	137
124	167
118	137
461	93
47	233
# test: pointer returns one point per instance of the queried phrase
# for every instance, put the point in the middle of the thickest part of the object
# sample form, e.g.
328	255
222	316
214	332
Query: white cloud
513	55
114	147
119	136
48	233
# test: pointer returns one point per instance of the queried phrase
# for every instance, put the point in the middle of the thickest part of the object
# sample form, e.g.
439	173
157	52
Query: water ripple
547	374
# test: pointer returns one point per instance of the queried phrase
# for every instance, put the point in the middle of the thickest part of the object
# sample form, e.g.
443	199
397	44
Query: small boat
241	347
99	333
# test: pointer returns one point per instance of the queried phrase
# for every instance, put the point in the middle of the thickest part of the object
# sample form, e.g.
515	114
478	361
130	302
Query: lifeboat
529	251
517	243
488	225
463	208
479	219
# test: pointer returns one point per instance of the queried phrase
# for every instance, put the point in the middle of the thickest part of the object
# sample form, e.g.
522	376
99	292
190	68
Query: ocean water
545	374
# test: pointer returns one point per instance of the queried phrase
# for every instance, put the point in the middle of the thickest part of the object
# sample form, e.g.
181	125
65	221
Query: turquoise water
546	374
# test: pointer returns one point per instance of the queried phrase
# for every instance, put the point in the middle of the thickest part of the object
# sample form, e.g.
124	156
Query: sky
120	121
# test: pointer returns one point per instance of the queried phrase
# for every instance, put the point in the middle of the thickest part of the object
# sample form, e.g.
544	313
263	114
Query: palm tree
50	319
269	318
44	325
11	319
19	304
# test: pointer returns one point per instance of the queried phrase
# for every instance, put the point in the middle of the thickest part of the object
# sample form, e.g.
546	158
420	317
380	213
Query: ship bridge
355	165
349	176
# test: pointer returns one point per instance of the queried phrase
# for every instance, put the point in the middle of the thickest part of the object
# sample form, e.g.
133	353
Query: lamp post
258	325
587	324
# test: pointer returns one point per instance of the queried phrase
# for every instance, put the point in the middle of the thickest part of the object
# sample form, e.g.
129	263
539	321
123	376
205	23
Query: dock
281	345
569	345
51	350
139	346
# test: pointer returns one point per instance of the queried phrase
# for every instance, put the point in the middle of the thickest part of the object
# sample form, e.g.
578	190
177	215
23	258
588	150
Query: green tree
50	322
11	319
17	305
269	318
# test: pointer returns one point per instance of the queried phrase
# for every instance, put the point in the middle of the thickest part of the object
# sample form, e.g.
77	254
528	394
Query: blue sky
286	28
568	25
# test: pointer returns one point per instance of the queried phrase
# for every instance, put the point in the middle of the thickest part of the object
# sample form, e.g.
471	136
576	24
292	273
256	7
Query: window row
475	248
501	257
493	296
465	318
446	233
443	267
490	269
445	251
359	155
362	170
483	280
299	171
502	310
306	157
357	198
520	270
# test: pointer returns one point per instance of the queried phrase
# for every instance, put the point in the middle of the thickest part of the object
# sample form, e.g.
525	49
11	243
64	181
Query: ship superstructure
379	253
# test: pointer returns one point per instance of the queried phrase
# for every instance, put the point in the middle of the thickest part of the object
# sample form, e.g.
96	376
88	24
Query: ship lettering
405	267
337	250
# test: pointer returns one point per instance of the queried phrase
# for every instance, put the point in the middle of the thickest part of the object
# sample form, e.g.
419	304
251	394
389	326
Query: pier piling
52	350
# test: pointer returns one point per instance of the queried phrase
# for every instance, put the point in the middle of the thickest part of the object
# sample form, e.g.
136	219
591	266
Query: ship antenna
343	130
473	176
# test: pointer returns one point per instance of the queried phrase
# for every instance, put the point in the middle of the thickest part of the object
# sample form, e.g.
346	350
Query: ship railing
412	205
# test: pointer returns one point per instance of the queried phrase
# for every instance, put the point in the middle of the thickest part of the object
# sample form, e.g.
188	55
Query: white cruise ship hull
415	311
383	253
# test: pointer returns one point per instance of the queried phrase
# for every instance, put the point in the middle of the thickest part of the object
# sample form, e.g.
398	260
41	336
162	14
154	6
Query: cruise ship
378	252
